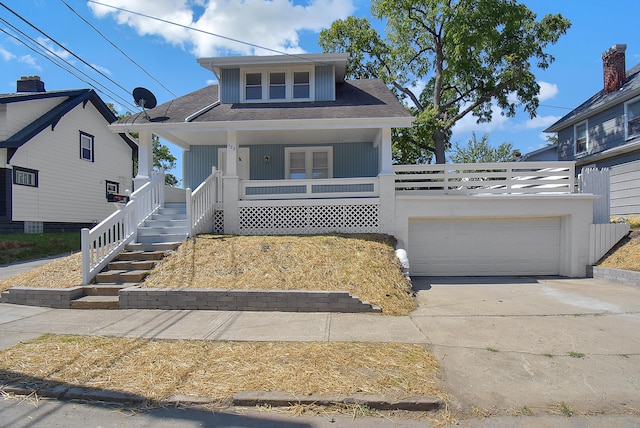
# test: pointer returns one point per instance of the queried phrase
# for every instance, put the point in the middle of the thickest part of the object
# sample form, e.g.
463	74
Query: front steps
168	224
130	268
163	232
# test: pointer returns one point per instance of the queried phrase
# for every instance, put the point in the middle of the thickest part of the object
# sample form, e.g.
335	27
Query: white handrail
487	178
104	241
201	204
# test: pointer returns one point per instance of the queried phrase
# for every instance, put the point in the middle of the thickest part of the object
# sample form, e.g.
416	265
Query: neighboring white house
58	160
302	150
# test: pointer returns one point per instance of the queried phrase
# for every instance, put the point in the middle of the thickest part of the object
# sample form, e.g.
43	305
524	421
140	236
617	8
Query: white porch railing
201	203
309	189
487	178
104	242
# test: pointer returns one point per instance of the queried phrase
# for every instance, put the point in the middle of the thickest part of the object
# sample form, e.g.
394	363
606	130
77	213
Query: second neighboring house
604	131
59	164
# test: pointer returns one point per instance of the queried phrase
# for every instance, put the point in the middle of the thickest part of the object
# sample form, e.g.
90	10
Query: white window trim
308	163
25	177
575	138
628	136
265	72
91	139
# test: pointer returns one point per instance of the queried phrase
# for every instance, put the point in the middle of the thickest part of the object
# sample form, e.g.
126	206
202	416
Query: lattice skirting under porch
218	222
300	220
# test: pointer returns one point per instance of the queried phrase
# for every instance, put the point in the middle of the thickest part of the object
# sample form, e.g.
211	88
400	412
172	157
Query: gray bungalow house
604	132
285	144
59	163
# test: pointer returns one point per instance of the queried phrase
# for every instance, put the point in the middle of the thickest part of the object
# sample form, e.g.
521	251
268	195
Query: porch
552	221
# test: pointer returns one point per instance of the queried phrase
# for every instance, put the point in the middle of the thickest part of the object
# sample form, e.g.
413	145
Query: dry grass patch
62	273
158	369
363	265
625	255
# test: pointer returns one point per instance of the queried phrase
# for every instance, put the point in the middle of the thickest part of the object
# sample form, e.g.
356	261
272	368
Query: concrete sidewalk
506	345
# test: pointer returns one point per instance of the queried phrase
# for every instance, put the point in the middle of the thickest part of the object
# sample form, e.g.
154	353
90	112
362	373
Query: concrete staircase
162	233
169	224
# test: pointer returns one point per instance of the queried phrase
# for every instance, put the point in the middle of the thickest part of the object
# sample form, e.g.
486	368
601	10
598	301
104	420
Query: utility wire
51	53
204	32
63	47
120	50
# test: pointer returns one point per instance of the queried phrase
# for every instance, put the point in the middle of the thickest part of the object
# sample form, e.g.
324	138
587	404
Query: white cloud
53	49
30	61
541	122
6	55
274	24
104	70
547	90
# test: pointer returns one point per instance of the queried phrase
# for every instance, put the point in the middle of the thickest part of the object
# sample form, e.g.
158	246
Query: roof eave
565	123
256	125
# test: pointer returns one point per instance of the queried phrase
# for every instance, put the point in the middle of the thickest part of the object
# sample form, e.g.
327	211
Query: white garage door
484	247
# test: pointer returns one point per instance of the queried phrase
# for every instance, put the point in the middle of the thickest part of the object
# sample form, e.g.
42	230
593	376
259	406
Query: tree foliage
480	151
448	59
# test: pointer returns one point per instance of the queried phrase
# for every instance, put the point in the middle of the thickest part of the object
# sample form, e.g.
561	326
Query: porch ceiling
185	139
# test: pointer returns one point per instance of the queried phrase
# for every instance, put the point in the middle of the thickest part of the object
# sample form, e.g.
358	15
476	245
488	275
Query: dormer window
291	84
253	86
277	86
301	84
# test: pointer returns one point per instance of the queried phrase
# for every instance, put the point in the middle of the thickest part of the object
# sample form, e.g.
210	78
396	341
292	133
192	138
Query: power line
106	90
204	32
63	47
120	50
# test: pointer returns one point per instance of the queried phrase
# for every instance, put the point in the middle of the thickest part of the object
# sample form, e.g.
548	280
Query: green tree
480	151
467	55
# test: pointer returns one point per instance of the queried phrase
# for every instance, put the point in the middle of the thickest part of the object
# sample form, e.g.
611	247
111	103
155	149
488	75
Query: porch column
386	182
385	159
231	186
145	159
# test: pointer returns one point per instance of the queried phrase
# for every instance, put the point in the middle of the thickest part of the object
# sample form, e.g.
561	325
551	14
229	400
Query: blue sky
168	53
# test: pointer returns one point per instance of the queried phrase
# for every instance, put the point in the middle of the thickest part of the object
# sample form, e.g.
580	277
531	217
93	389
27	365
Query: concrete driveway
520	345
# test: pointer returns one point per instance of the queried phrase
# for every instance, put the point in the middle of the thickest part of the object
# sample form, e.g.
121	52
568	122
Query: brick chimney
30	84
615	69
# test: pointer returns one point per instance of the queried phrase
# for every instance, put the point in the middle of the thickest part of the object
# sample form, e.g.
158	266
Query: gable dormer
278	78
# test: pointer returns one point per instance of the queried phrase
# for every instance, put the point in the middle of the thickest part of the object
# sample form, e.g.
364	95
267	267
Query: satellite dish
145	99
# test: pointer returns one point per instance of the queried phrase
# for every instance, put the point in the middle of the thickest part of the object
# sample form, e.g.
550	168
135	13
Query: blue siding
197	164
606	130
342	188
355	160
230	86
272	170
349	160
325	84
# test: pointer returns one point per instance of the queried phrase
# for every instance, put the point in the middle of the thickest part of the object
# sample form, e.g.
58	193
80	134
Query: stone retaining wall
242	300
199	299
58	298
617	275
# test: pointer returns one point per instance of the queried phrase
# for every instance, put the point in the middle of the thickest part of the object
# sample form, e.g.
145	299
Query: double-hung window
253	86
301	85
86	146
282	84
277	86
25	176
632	115
581	137
308	163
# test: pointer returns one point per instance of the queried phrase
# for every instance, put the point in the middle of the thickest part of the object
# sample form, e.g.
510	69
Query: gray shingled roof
365	98
600	101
